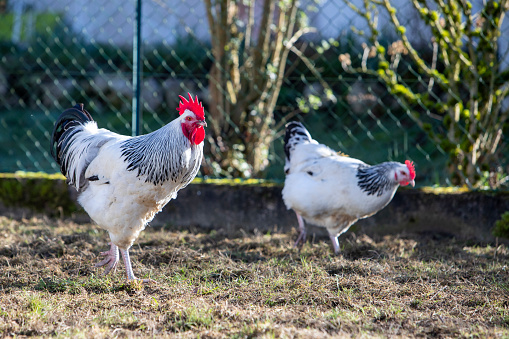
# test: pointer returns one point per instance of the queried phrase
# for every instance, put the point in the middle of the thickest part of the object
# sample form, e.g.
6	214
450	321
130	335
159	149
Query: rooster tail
295	134
64	129
67	146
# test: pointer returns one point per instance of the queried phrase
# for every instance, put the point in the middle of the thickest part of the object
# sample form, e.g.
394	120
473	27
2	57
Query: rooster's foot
143	281
129	270
111	259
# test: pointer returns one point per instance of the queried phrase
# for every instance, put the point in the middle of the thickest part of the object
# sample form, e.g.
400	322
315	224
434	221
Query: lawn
210	284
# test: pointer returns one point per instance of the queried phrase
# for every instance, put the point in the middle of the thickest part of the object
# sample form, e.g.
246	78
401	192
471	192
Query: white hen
124	181
334	191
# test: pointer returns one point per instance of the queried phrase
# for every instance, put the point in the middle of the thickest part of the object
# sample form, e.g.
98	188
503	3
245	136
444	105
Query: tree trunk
244	86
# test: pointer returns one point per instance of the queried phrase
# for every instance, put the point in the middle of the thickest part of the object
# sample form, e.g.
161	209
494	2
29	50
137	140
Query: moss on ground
223	181
254	182
48	194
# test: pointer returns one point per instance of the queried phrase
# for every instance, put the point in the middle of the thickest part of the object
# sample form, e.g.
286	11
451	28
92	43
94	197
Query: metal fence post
136	109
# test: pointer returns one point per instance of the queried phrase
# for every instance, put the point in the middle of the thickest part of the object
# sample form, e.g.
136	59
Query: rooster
333	190
123	181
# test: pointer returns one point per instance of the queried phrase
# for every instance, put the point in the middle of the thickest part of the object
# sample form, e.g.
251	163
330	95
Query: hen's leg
111	259
302	231
129	269
335	243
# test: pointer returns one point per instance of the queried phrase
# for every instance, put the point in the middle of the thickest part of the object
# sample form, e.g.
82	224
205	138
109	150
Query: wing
318	181
304	154
81	148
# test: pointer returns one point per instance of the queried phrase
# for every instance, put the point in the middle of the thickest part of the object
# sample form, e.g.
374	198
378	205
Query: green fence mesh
54	54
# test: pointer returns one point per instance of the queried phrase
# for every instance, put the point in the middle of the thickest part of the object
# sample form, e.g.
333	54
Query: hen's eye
402	173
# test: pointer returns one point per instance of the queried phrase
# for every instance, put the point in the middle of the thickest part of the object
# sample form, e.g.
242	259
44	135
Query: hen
124	181
334	191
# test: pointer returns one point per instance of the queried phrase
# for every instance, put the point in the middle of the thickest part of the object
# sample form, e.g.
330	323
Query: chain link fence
54	54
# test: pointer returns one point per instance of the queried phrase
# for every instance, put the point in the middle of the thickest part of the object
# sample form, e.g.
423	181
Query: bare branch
250	24
433	65
313	70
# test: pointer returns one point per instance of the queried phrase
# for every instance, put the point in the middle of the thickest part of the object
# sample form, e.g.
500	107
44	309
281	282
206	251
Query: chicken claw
335	244
129	270
111	259
301	240
302	231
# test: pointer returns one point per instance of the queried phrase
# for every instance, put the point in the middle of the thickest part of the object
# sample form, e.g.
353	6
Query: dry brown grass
211	285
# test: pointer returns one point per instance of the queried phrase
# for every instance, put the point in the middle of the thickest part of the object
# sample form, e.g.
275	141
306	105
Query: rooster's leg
302	231
111	259
129	268
335	243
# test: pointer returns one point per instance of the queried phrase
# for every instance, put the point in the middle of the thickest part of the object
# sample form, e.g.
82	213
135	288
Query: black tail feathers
296	133
63	129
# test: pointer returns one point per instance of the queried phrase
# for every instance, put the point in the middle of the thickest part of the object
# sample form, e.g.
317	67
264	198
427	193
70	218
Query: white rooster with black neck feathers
124	181
334	191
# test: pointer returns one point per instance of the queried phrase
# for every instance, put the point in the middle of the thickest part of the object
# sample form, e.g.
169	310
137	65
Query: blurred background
343	68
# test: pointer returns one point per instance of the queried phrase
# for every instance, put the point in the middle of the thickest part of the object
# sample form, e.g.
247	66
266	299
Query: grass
248	285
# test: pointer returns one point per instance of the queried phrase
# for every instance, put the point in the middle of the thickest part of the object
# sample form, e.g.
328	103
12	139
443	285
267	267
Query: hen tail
296	134
70	143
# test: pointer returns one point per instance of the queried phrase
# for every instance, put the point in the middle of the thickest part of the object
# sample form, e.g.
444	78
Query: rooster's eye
189	118
402	173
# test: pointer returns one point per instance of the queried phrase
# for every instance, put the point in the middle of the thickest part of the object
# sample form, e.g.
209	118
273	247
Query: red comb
193	105
411	168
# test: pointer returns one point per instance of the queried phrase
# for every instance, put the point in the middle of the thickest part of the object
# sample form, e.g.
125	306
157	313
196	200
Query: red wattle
195	136
198	135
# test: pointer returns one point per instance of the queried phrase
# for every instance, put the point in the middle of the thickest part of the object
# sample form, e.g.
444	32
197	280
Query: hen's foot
301	240
335	244
302	231
111	259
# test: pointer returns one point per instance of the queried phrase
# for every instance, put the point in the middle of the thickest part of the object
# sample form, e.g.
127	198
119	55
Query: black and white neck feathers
295	134
377	179
160	155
